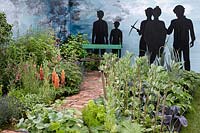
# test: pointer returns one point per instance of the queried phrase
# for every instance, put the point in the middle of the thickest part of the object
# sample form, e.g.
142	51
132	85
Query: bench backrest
102	46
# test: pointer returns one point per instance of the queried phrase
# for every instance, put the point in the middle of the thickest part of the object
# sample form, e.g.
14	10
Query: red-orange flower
63	77
53	75
41	73
56	82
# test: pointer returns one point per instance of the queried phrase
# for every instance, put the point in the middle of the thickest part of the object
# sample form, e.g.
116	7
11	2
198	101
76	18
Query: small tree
5	29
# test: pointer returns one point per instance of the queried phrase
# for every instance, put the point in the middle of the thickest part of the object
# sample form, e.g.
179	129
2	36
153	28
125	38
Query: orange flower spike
56	83
41	73
63	77
53	75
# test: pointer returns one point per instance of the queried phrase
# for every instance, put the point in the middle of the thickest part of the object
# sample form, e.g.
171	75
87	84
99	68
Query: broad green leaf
54	126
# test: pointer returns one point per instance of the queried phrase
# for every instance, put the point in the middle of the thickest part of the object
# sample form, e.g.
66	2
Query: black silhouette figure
155	35
100	31
143	45
116	37
181	27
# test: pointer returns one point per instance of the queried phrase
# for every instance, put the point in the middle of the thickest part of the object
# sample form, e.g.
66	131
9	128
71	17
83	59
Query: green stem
140	87
156	115
163	110
104	85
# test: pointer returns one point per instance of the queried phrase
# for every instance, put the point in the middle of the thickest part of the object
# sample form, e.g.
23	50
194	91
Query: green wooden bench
98	46
103	46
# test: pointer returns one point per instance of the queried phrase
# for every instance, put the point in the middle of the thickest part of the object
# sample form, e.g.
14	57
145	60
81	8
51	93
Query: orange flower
41	73
63	77
56	82
53	75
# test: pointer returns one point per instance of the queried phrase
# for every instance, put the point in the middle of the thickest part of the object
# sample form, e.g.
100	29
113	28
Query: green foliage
127	127
73	48
36	45
45	119
193	116
26	77
93	64
140	92
28	87
31	90
73	75
28	100
1	90
93	114
10	110
6	69
5	30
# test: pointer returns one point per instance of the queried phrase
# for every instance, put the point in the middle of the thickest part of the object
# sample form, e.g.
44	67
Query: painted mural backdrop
73	16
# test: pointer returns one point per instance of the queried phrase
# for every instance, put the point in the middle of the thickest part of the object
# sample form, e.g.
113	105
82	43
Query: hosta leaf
53	116
38	120
54	126
40	126
20	122
59	115
60	131
30	117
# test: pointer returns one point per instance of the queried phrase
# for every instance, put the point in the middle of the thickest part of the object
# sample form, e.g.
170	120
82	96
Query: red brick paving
91	88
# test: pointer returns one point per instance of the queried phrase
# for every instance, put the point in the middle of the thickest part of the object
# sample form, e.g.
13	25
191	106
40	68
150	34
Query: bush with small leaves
11	110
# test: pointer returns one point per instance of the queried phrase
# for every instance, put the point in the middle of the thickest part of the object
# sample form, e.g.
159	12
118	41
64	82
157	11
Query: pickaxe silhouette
133	27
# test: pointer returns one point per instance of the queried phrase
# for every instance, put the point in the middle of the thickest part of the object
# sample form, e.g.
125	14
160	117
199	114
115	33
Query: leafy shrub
45	119
73	75
5	30
28	85
11	110
139	92
5	38
93	114
93	64
36	45
173	120
1	90
30	100
29	88
73	47
127	126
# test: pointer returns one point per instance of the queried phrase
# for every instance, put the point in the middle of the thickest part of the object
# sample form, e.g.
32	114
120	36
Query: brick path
91	88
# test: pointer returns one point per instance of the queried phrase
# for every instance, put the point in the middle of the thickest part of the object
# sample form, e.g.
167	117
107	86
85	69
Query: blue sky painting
80	16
